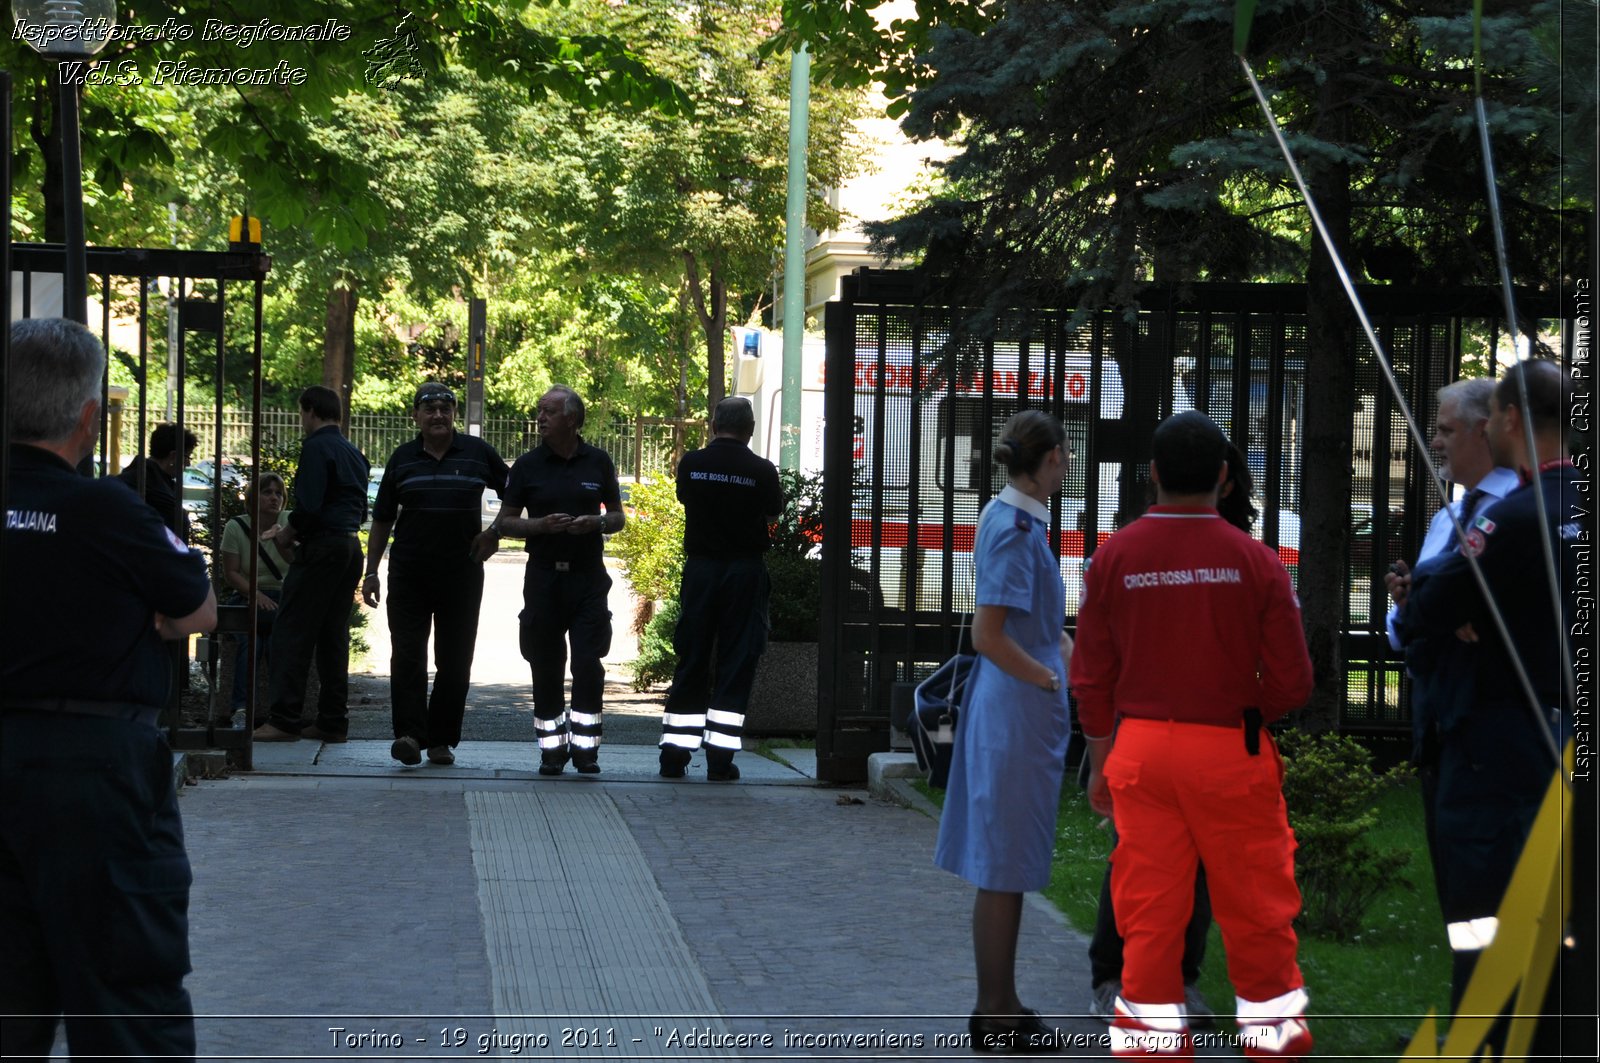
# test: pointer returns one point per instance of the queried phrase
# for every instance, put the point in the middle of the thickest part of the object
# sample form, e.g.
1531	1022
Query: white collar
1500	482
1027	503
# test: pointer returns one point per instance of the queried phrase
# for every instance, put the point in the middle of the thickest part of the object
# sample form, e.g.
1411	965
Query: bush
650	545
798	529
796	606
795	562
657	661
1329	786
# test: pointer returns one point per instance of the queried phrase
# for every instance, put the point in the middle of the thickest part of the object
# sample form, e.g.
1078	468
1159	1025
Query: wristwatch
1054	686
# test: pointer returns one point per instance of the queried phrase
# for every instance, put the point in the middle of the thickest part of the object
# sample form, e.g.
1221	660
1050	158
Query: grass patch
765	747
1367	995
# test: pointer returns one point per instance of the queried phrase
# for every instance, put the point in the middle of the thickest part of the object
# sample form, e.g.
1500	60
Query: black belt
1250	721
567	566
111	710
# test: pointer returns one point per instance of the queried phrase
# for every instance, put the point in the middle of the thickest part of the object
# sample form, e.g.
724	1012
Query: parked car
374	477
199	481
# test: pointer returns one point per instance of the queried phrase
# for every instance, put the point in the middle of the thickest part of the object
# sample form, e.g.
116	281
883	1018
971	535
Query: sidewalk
345	907
482	909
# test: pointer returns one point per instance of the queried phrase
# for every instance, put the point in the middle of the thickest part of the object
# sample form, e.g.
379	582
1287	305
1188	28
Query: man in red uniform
1188	638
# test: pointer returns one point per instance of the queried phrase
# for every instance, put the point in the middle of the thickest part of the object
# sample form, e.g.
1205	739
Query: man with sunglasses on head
431	498
570	492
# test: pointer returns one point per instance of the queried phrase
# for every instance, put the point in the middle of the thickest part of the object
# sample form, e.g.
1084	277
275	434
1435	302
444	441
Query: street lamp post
69	33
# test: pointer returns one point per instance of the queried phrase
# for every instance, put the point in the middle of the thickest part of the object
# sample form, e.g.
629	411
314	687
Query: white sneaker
1103	1001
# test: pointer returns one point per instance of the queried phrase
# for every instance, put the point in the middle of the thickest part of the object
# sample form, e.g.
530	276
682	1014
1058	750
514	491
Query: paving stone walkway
335	912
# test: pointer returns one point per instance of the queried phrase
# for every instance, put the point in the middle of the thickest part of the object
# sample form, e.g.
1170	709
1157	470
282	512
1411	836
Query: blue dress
999	822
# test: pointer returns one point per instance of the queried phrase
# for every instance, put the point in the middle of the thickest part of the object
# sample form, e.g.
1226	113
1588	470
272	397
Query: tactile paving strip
582	946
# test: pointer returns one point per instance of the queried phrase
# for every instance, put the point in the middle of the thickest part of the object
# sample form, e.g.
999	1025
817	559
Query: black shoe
728	772
586	763
674	759
1022	1034
406	750
552	763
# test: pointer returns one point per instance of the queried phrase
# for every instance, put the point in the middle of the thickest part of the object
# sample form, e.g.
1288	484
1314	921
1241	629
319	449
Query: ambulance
907	444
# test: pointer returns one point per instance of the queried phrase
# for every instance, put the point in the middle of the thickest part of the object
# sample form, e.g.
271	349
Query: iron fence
911	419
641	447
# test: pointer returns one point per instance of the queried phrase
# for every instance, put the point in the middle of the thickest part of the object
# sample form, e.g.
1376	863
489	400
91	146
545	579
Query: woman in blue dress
998	826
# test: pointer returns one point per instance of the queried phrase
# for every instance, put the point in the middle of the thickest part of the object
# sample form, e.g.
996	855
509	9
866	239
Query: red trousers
1183	793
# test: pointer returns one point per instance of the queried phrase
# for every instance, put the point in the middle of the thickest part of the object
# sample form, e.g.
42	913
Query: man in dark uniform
432	497
562	484
1497	753
330	504
94	880
729	497
1440	667
160	471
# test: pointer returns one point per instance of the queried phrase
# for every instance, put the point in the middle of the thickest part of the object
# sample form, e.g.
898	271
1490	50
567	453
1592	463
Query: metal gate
211	326
912	415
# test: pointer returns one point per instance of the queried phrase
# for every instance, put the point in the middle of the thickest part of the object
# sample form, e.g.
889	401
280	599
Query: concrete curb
889	777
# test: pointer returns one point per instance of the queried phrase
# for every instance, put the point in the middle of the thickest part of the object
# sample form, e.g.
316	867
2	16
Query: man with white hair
1439	667
94	880
570	492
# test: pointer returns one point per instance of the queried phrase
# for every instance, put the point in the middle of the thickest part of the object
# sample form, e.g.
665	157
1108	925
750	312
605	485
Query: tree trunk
339	344
681	335
48	141
711	309
1329	402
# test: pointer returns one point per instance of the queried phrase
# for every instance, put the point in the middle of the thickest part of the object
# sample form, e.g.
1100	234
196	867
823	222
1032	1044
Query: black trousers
1105	948
445	598
724	618
314	620
94	890
559	607
241	661
1493	772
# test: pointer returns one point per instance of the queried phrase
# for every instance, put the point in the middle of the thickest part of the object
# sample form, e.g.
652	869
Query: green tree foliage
268	131
1110	143
281	149
695	198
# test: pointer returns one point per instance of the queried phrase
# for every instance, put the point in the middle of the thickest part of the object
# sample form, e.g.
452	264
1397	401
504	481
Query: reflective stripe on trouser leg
1473	935
1150	1031
585	729
552	733
1276	1028
682	729
723	729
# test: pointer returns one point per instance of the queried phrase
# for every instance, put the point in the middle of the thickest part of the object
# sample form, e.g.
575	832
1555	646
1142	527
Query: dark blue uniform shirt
542	482
1505	539
439	500
330	486
87	566
728	493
